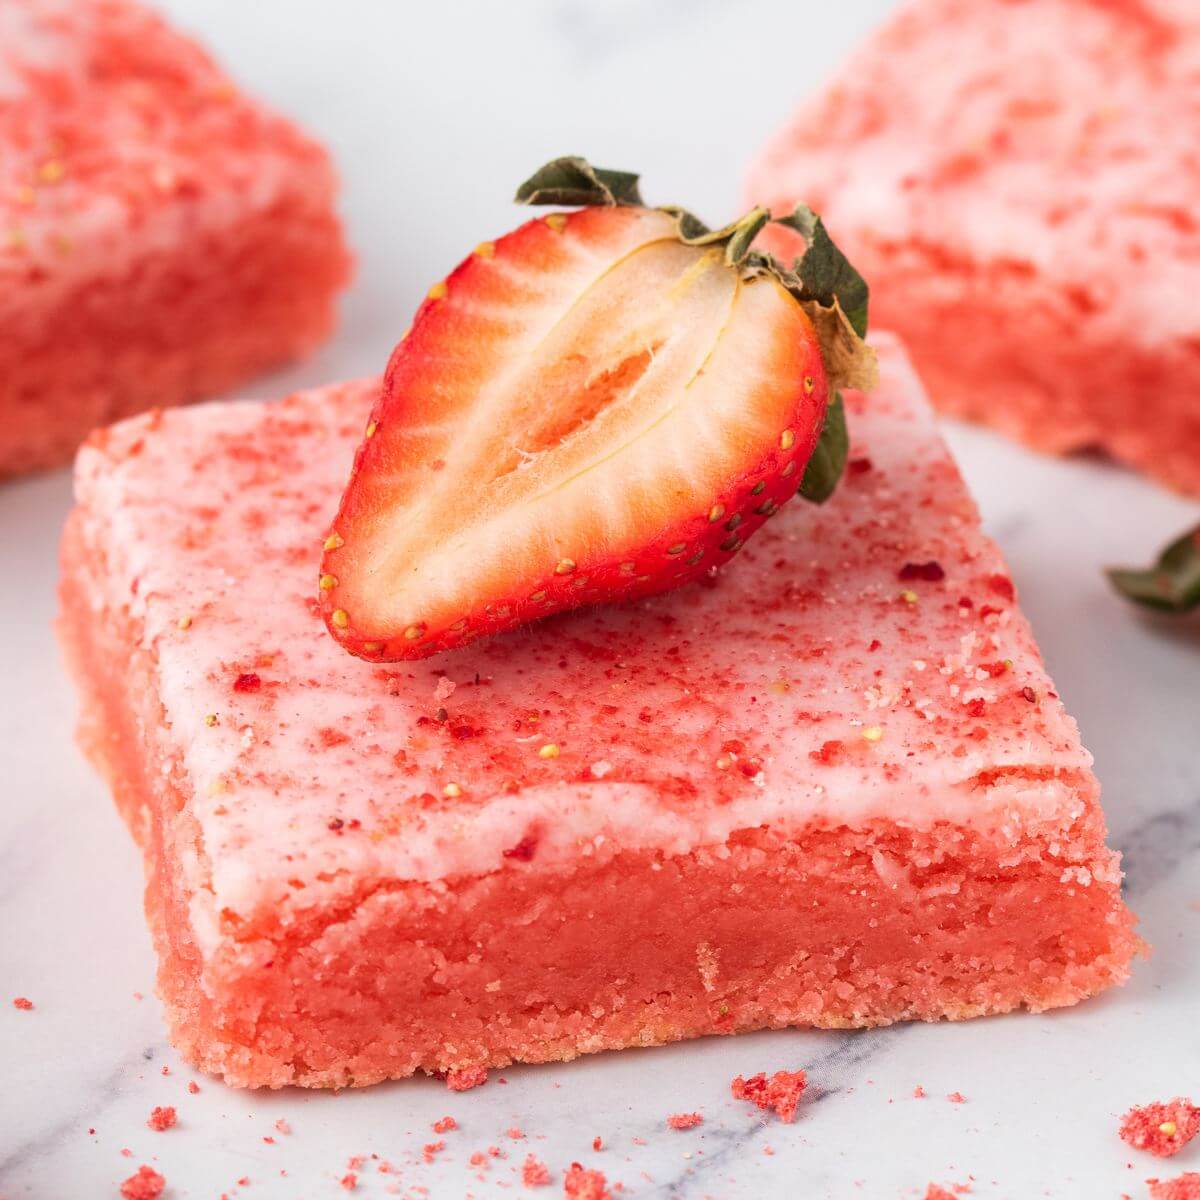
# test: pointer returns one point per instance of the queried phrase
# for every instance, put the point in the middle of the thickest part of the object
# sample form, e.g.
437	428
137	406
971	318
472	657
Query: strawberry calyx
824	282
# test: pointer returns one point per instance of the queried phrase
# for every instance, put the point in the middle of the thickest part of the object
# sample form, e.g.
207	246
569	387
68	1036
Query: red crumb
162	1117
445	1125
248	682
597	1143
684	1120
349	1181
930	571
956	1098
281	1126
23	1003
166	1070
515	1133
534	1172
193	1087
431	1149
466	1078
1182	1187
146	1184
581	1184
268	1139
1161	1128
934	1192
781	1092
918	1092
478	1159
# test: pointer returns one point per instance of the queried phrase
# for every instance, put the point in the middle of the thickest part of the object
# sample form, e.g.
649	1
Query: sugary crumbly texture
1182	1187
1018	181
827	789
162	236
1162	1129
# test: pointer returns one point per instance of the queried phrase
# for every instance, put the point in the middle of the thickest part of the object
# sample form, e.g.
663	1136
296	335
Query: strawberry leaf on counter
829	458
1172	584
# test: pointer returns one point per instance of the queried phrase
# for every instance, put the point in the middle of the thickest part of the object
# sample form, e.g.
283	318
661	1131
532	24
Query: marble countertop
435	113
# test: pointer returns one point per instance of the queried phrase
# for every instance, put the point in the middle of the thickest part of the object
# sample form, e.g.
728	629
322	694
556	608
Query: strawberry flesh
588	410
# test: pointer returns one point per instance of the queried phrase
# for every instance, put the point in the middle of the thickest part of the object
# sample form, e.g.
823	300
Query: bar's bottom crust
837	928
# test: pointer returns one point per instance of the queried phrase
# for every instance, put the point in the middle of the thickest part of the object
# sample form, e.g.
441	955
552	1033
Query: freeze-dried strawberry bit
668	413
349	1181
193	1088
582	1184
1182	1187
534	1172
144	1184
930	572
684	1120
466	1078
1161	1128
445	1125
247	682
162	1118
23	1003
781	1092
597	1143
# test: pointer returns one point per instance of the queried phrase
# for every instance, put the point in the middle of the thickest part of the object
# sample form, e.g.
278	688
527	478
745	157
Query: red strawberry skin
584	411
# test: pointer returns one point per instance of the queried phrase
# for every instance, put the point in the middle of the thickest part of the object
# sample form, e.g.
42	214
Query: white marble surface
435	113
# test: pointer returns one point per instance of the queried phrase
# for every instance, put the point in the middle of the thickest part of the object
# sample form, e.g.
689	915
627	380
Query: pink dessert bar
162	236
1019	182
835	787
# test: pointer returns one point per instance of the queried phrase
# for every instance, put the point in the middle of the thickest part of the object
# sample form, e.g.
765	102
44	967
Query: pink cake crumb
349	1181
937	1192
597	1143
281	1126
1182	1187
193	1088
582	1184
515	1133
445	1125
432	1149
684	1120
918	1092
534	1172
956	1098
162	1117
1161	1128
144	1184
781	1092
466	1078
23	1003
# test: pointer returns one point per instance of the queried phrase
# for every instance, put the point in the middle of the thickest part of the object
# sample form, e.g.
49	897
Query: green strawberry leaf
824	271
574	181
828	460
1172	584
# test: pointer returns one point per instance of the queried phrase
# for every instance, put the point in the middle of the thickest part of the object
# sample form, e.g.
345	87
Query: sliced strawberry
599	406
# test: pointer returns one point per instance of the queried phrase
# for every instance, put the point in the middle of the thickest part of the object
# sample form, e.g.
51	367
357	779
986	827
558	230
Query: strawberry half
601	405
